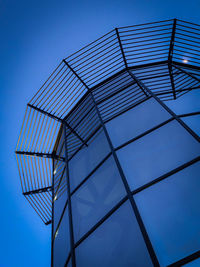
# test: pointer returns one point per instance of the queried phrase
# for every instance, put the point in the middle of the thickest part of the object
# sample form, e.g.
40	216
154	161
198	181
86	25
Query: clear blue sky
35	36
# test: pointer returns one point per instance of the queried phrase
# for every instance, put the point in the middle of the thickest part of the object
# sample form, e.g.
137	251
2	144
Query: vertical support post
170	55
178	119
52	219
69	202
128	191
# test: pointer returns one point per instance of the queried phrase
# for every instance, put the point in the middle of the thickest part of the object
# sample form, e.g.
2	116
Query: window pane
136	121
96	197
87	159
157	153
193	122
60	190
59	204
62	242
171	214
190	102
117	242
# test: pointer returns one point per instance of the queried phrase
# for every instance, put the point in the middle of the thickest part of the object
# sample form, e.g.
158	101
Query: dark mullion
103	219
186	260
68	259
144	133
166	175
189	114
61	217
90	174
69	204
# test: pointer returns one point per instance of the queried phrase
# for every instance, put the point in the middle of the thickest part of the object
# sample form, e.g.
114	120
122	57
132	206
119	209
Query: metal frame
113	74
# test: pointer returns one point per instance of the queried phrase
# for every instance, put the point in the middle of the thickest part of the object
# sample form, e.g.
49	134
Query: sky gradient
35	36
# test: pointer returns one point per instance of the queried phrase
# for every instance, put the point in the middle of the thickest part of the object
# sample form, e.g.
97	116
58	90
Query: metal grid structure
101	81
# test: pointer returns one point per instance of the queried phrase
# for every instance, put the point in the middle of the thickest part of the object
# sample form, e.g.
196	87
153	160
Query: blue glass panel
157	153
117	242
96	197
87	159
136	121
60	191
195	263
62	242
59	203
171	214
189	102
193	122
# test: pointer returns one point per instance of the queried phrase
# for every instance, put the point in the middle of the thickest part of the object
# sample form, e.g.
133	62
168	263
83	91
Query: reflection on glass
103	190
59	203
157	153
136	121
189	102
87	159
117	242
193	122
62	242
171	214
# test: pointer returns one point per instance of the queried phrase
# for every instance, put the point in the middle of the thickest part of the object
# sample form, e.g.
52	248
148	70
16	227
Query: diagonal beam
185	72
121	48
38	154
76	74
170	55
36	191
60	120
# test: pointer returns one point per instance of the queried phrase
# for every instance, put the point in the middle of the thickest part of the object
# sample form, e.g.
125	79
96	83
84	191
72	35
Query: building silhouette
109	150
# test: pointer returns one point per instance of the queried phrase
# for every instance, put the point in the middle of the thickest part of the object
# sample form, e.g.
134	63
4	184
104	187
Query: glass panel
62	242
190	102
60	190
193	122
136	121
59	203
171	214
157	153
117	242
96	197
195	263
87	159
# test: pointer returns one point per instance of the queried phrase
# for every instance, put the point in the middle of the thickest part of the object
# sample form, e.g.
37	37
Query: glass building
109	150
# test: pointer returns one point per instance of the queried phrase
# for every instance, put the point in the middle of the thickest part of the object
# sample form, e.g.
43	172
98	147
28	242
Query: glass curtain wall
133	190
